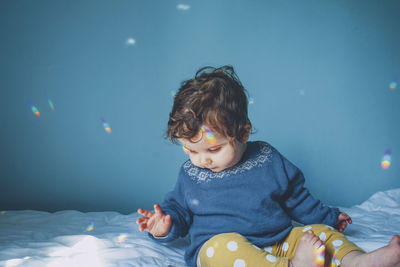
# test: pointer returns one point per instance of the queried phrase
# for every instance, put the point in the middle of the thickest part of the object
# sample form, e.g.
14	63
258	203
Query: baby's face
213	151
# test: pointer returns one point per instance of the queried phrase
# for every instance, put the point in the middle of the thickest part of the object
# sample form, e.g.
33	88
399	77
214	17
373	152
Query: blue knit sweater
257	198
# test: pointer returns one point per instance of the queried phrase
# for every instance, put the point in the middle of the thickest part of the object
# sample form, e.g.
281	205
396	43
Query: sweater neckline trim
262	154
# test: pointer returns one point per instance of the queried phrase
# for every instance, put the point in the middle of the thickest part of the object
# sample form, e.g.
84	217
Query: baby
237	199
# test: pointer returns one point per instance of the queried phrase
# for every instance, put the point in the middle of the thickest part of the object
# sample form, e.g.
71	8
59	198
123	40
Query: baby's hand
342	220
156	223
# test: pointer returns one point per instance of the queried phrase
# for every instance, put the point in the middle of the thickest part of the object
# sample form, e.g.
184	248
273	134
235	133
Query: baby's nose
207	162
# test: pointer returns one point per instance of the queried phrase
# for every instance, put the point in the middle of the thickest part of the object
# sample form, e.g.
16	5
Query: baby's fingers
145	213
142	220
342	226
345	216
168	222
143	227
158	209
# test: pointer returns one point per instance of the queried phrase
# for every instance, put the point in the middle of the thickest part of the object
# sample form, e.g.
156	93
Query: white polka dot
322	236
232	246
271	258
330	227
285	246
210	252
198	262
239	263
338	262
307	228
268	249
256	247
337	243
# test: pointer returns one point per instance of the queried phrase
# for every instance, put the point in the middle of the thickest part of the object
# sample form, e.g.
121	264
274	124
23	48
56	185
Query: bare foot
388	256
310	252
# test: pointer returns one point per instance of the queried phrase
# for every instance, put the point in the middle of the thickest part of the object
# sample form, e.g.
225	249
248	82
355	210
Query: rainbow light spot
385	164
33	108
320	256
3	213
209	134
251	100
185	150
334	261
106	126
386	160
51	104
393	85
90	227
173	93
35	111
122	238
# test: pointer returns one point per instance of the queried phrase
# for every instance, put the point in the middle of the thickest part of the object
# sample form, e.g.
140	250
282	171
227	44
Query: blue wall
319	73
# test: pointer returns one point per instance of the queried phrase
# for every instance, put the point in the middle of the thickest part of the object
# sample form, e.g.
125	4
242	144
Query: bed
72	238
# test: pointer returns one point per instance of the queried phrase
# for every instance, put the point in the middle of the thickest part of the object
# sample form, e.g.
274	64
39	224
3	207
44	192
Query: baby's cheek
194	161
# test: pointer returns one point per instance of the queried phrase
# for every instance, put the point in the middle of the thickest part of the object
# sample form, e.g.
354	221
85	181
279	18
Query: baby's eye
213	150
188	151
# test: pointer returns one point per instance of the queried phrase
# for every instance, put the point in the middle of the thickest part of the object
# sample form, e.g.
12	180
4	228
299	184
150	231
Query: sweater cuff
335	215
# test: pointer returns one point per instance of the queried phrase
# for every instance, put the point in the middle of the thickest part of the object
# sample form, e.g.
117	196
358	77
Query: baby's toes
316	241
309	236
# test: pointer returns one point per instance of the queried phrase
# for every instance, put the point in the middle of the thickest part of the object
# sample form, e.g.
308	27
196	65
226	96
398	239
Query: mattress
72	238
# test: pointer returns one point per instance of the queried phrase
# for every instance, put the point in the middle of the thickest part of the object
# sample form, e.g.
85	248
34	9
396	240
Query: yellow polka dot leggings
234	250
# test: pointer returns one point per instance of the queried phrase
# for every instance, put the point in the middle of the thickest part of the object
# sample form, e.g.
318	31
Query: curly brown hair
215	97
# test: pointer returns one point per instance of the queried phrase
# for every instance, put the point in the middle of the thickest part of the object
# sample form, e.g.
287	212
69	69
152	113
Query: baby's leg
232	249
388	256
336	244
302	247
310	252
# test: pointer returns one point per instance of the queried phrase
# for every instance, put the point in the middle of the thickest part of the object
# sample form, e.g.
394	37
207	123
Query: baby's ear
247	127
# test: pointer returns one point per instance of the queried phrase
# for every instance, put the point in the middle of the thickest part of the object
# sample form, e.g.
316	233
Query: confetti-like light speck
183	7
320	258
195	202
334	260
393	85
251	100
185	150
3	213
130	41
106	126
90	227
209	134
35	111
122	238
51	104
386	160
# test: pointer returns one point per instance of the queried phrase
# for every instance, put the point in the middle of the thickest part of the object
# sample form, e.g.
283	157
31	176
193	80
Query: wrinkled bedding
72	238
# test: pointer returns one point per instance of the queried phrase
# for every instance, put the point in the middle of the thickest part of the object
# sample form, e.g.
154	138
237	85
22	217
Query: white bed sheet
35	238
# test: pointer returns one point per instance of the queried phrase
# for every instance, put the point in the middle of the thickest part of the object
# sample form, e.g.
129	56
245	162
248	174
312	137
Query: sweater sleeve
299	203
174	205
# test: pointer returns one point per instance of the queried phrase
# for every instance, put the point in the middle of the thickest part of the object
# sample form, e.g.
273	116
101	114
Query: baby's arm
156	223
172	219
297	200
